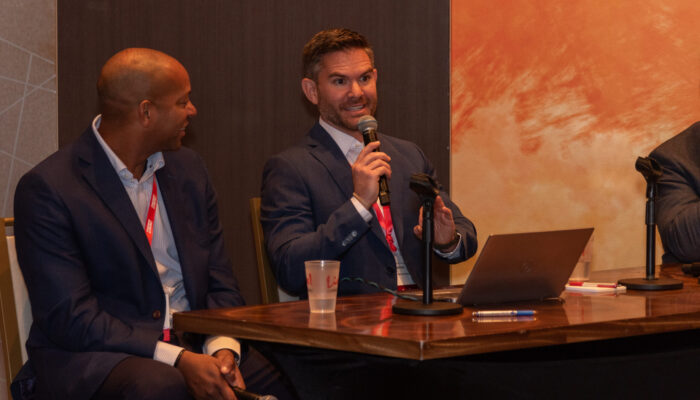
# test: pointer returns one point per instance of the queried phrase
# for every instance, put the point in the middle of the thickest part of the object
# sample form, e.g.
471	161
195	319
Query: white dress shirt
162	246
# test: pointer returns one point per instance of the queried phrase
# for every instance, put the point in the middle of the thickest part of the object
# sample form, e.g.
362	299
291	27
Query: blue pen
504	313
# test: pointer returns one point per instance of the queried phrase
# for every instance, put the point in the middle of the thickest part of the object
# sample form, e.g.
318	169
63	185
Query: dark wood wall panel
244	58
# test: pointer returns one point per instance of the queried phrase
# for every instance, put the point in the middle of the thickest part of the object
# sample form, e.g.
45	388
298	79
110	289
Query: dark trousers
145	379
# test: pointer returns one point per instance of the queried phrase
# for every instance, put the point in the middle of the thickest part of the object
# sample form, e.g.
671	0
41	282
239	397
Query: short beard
331	116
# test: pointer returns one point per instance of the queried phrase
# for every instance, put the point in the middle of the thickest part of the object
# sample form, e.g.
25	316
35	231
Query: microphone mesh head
367	122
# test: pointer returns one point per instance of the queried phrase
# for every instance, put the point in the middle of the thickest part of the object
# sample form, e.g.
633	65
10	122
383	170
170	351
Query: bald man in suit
117	231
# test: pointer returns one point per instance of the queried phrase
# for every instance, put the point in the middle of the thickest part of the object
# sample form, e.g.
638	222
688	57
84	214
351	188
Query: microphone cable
394	293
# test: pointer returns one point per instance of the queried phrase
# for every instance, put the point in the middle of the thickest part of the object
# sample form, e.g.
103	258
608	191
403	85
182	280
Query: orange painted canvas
552	102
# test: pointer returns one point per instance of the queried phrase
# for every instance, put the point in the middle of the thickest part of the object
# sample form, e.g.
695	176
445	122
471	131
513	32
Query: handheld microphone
368	127
243	395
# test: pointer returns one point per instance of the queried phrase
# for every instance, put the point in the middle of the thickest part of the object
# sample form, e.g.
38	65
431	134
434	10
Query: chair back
270	292
15	310
268	283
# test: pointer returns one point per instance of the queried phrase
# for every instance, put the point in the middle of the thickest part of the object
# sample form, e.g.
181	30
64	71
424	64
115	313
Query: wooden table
366	324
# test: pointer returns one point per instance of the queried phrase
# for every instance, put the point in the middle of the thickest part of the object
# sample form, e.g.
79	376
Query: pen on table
504	319
503	313
594	284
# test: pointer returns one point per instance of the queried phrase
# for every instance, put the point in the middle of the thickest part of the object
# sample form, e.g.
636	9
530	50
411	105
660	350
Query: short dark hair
328	41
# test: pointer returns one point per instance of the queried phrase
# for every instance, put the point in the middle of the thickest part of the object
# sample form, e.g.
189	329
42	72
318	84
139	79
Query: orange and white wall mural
553	101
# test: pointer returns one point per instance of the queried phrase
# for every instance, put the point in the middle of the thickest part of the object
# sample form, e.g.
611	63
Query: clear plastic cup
322	284
582	271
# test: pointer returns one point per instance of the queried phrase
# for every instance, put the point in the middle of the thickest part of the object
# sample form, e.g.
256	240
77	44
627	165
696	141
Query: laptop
521	266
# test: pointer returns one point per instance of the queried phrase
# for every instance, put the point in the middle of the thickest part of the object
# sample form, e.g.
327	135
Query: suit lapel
167	183
99	173
326	151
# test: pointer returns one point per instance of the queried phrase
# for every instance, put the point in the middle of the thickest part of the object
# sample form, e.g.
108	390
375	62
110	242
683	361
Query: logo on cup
331	281
308	280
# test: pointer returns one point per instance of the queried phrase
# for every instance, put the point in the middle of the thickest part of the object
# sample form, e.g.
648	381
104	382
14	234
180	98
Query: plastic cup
582	271
322	284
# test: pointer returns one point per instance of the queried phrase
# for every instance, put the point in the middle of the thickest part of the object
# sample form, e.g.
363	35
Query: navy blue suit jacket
307	214
678	201
95	292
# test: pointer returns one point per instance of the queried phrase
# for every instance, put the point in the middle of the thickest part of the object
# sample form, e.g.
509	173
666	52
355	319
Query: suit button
354	233
156	314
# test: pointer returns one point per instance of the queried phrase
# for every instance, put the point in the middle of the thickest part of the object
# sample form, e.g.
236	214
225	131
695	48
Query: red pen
593	284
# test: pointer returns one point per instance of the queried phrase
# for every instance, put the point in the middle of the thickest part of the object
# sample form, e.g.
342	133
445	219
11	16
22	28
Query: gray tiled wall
28	100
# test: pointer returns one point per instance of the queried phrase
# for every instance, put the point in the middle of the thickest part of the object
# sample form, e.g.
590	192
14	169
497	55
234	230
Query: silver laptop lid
524	266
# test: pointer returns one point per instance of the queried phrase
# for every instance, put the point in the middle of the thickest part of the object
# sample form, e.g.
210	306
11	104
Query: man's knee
141	378
165	382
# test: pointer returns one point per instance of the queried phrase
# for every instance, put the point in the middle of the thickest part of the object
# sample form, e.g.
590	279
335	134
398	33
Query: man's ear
310	90
144	112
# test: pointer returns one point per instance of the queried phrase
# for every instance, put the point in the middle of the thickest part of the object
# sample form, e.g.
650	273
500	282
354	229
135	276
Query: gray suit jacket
678	201
307	214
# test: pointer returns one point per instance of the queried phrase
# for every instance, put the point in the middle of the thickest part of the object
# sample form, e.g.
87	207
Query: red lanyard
151	211
152	205
384	218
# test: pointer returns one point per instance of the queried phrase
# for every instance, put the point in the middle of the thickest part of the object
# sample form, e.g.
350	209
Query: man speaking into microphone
321	198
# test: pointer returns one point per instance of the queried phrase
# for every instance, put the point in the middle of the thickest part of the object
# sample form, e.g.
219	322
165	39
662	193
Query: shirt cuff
364	213
454	252
216	343
166	353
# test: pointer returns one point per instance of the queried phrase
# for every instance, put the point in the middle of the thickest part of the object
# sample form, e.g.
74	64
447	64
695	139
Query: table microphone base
434	308
651	284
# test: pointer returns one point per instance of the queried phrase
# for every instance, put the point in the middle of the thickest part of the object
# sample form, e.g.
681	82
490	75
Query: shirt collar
342	139
154	162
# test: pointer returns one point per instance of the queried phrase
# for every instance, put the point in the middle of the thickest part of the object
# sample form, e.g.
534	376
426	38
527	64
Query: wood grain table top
366	324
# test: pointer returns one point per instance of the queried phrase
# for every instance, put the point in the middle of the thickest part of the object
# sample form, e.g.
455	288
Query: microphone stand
427	190
652	171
